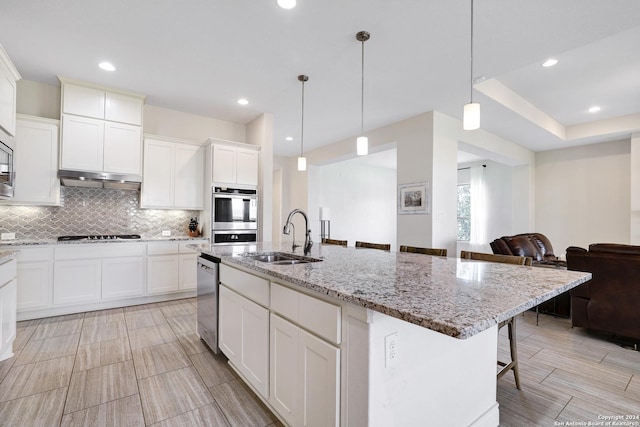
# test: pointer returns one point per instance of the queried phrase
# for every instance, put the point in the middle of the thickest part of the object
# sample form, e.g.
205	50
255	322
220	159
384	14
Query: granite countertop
7	256
459	298
35	242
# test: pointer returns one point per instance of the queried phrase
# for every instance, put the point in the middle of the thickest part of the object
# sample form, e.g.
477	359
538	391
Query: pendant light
362	143
302	161
471	117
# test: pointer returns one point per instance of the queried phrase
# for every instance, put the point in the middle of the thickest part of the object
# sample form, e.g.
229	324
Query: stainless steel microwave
7	174
234	209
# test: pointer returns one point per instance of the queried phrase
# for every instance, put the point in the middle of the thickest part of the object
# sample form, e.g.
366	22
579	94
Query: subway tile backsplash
92	211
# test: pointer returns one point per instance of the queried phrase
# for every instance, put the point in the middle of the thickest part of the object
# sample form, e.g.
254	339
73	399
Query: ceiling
200	56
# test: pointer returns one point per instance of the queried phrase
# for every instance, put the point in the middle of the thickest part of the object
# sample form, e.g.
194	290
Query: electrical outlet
8	236
166	233
391	349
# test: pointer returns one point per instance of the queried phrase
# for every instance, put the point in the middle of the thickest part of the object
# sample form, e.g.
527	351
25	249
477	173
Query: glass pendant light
471	116
302	161
362	143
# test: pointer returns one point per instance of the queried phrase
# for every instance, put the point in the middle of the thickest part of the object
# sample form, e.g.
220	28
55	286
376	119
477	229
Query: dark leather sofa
534	245
610	301
538	247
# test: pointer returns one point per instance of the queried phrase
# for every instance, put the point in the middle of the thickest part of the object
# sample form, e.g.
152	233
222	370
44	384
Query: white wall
260	132
635	189
583	195
361	199
38	99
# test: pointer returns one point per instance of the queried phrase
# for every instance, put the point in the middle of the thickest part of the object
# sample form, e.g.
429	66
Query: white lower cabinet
305	376
122	277
77	281
8	291
244	338
35	271
171	267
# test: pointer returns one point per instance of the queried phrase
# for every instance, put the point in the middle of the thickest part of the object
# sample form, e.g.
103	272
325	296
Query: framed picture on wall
414	198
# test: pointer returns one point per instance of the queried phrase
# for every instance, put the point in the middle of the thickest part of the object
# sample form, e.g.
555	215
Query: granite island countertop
459	298
7	256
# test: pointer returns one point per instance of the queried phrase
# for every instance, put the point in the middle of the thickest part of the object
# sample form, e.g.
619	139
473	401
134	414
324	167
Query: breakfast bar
416	340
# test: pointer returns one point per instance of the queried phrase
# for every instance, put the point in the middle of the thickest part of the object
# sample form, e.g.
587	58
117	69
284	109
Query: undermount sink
280	258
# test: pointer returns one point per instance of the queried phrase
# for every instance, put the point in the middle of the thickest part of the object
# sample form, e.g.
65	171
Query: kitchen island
416	338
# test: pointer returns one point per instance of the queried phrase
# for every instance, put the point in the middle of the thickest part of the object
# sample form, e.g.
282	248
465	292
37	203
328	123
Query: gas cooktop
99	237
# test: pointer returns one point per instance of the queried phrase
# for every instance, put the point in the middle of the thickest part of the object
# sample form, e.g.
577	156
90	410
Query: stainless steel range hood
99	180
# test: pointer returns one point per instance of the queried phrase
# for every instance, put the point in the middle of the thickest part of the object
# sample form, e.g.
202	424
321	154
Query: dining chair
511	322
382	246
334	242
424	251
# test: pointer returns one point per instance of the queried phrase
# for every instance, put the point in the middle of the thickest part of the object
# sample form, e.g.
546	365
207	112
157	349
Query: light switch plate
8	236
166	233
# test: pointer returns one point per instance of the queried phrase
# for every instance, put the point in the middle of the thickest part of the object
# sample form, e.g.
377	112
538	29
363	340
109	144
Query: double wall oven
235	216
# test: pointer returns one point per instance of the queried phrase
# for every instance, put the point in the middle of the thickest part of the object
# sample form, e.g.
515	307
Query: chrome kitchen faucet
307	238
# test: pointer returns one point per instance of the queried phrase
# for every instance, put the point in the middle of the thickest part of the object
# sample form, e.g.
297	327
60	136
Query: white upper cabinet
8	78
36	162
234	163
101	129
173	175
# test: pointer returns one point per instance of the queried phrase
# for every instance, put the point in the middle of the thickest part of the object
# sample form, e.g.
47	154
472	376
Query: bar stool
511	322
334	242
424	251
382	246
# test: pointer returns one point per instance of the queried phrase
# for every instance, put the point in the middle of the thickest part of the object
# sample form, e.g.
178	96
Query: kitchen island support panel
434	380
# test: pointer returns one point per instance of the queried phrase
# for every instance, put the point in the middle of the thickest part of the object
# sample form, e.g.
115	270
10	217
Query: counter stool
424	251
334	242
511	322
382	246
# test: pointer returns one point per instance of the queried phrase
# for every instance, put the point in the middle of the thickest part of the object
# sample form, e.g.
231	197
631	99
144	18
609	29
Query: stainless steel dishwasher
208	277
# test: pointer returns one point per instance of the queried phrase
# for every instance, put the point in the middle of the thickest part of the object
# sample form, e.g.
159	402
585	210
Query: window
464	212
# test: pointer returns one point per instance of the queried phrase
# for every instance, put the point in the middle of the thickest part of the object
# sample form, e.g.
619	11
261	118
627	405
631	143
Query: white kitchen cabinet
244	337
93	272
35	274
122	148
101	129
122	277
173	175
36	162
82	145
163	274
77	281
171	267
8	78
305	362
8	289
235	164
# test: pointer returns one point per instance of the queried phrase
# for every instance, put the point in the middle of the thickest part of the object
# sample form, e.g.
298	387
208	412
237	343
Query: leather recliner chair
534	245
609	301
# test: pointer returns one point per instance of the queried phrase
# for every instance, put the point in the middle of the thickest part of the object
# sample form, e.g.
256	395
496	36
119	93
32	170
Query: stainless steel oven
234	209
233	237
7	174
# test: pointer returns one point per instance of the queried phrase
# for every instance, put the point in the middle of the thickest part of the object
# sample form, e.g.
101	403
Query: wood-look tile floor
132	366
566	375
144	365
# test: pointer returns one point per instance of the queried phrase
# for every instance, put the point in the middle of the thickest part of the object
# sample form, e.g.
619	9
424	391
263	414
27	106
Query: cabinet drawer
163	248
248	285
34	254
311	313
8	271
99	250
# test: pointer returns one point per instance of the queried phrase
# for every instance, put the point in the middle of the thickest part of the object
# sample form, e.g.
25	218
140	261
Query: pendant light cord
471	79
362	94
302	123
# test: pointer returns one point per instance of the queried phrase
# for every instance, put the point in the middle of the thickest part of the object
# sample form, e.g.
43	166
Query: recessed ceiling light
287	4
549	62
107	66
243	101
594	109
289	138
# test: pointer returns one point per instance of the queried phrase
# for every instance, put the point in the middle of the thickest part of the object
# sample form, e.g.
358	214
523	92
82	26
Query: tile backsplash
92	211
